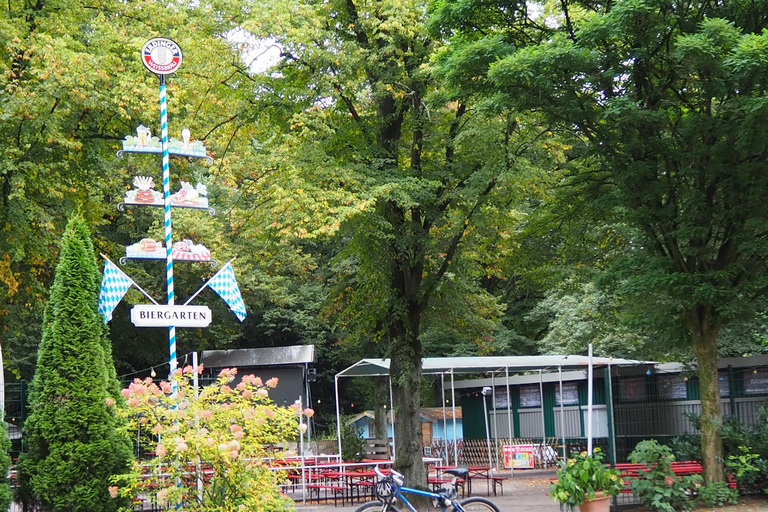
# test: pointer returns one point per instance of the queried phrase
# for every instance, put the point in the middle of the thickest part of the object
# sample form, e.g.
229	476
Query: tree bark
405	371
704	336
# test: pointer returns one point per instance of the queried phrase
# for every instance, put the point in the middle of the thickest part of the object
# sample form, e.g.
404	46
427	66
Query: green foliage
746	446
670	102
581	476
351	443
718	494
748	469
686	447
658	487
73	438
5	468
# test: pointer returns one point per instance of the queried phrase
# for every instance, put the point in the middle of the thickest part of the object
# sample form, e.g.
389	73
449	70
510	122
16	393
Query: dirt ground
528	491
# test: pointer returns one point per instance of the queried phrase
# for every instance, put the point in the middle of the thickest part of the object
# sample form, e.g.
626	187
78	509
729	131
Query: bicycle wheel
477	505
376	506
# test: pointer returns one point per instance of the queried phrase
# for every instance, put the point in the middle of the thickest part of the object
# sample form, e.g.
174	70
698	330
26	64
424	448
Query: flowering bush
208	449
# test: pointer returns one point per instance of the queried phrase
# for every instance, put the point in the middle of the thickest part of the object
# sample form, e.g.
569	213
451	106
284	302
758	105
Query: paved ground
526	492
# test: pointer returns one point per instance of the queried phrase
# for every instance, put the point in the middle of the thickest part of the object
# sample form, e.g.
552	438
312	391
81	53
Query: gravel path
526	492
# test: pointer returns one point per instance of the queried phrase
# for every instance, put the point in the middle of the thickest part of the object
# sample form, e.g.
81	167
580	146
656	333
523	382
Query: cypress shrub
73	439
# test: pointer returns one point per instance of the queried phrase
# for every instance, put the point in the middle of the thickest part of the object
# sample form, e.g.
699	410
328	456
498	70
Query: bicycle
390	490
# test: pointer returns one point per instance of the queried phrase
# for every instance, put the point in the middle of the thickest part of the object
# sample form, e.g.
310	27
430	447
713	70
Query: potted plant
584	480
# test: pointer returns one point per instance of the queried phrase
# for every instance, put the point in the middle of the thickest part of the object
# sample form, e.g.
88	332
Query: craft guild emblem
161	56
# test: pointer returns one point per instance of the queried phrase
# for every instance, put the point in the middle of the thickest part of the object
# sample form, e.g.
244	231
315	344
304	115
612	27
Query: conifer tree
73	439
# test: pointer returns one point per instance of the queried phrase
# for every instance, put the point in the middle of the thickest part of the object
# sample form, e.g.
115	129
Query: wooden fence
474	452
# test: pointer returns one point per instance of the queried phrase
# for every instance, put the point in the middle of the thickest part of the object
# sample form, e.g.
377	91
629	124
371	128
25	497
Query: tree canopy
406	179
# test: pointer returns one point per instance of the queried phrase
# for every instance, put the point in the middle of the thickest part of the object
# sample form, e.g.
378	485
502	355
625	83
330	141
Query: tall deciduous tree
73	438
671	100
402	173
73	87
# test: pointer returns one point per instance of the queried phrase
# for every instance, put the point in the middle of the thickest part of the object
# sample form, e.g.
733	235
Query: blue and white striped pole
168	227
162	56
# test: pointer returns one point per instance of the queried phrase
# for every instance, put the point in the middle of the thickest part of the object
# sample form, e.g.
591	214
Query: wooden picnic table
476	473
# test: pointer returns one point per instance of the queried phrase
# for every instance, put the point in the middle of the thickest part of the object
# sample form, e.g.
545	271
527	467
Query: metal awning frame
450	366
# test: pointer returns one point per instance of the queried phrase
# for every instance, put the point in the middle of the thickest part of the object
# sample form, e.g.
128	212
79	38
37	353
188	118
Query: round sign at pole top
161	55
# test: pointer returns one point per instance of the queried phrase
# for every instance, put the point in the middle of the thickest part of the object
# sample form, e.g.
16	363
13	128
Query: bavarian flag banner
114	285
225	284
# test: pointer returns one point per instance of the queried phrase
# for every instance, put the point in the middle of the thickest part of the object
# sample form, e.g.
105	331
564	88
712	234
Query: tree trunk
380	412
405	371
704	336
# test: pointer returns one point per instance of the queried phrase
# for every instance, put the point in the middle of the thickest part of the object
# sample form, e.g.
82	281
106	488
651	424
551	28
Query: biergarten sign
151	315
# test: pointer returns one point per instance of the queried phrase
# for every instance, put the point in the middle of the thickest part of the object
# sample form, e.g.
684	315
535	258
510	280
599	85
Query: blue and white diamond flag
225	284
114	285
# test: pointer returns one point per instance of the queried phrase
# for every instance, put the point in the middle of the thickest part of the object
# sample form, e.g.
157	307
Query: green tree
670	101
73	437
74	87
406	178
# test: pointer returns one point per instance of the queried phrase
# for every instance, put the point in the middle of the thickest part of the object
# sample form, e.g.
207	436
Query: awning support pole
609	410
444	451
543	422
589	403
562	412
338	415
455	433
509	418
495	421
392	408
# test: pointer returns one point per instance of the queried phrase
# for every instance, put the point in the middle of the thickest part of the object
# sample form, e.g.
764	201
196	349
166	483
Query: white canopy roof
476	364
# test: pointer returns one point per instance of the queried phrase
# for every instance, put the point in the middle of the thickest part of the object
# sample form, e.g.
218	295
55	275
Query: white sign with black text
152	315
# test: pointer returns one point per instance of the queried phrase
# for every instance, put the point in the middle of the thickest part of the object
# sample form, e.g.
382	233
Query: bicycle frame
446	498
449	501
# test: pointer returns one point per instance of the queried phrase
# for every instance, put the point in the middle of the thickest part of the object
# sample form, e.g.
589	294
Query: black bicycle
389	490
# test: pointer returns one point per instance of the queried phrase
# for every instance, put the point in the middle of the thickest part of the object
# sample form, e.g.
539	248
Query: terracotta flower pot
601	503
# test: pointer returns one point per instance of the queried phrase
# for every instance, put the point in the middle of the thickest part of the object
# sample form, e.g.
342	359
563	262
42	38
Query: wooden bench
437	484
362	489
494	481
376	449
498	481
682	468
334	492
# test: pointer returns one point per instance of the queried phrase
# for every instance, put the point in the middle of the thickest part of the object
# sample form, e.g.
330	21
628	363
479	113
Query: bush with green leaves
746	448
658	487
749	470
351	443
686	447
582	476
718	494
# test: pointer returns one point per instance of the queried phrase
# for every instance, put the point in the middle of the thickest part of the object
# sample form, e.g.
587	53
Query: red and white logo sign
161	56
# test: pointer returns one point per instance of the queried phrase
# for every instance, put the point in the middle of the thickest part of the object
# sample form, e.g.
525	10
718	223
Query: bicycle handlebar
396	477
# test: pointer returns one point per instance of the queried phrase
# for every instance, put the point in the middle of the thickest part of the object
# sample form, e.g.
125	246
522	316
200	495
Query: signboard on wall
519	456
756	382
530	396
672	387
632	389
501	398
570	393
725	384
